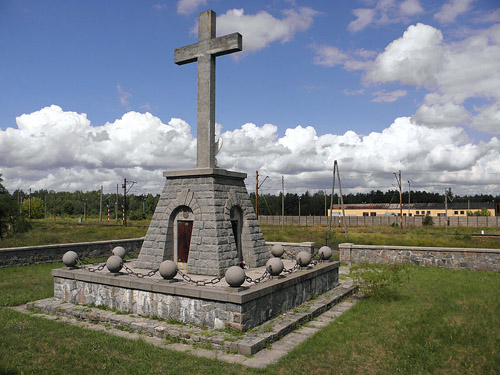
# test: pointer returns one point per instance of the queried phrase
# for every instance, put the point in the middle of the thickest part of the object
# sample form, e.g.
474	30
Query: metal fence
359	221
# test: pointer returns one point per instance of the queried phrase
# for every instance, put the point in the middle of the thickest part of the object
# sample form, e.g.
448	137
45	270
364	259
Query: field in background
68	230
48	231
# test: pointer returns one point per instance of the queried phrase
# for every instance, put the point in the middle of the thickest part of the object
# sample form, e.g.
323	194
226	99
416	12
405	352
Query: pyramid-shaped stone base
225	230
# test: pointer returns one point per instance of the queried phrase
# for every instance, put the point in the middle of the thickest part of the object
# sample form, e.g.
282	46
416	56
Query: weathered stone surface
213	248
474	259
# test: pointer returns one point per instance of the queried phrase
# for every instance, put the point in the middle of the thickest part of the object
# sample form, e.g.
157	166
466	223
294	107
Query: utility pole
257	187
331	199
341	196
446	207
124	210
116	204
409	193
29	205
398	179
100	206
257	194
299	210
282	201
84	209
45	206
326	212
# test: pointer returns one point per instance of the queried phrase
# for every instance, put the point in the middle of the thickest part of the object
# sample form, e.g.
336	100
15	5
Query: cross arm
217	47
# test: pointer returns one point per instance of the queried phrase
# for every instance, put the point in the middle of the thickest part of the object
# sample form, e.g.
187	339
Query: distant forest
50	203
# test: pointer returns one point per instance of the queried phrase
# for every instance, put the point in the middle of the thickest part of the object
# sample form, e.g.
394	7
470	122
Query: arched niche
236	217
182	219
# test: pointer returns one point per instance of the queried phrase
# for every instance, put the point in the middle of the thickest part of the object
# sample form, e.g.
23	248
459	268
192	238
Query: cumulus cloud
261	29
452	9
189	6
60	150
451	71
384	12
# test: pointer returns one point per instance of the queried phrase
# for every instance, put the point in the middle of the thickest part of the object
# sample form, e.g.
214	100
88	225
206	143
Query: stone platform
215	306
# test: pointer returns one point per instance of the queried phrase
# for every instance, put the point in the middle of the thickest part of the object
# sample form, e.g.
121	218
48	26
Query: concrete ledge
205	172
446	257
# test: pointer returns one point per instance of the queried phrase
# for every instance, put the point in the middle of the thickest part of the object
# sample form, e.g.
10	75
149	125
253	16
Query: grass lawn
440	322
384	235
49	231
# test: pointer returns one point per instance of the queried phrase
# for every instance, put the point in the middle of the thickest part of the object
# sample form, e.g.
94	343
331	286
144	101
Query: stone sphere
168	269
277	250
70	258
325	253
274	266
114	264
304	258
235	276
119	251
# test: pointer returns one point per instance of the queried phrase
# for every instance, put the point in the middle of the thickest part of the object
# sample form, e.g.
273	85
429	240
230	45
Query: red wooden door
184	230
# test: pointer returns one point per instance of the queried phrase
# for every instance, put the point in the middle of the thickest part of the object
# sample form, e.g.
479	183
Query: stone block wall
239	308
292	248
457	258
18	256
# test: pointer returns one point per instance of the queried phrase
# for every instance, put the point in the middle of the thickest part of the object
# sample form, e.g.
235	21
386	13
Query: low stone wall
292	248
239	308
18	256
458	258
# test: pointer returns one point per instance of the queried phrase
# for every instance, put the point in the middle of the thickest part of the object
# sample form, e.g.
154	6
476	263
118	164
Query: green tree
37	207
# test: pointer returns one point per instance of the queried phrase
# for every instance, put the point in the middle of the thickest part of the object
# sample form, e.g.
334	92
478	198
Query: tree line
315	204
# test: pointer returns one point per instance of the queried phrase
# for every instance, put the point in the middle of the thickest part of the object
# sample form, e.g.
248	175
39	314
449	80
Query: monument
204	219
204	225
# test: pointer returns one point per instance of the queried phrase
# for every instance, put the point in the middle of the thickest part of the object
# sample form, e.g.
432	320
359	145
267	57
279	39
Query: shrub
379	281
427	220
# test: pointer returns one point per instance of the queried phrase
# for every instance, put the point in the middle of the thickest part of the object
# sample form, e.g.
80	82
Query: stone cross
205	52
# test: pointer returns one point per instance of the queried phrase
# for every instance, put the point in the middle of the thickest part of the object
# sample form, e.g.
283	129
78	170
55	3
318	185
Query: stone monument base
215	306
204	218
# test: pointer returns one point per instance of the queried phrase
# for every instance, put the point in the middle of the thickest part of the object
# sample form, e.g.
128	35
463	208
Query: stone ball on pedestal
168	269
235	276
70	258
325	253
119	251
274	266
304	258
114	264
277	250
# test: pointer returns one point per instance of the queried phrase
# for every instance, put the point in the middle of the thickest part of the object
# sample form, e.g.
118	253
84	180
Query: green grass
440	322
48	231
383	235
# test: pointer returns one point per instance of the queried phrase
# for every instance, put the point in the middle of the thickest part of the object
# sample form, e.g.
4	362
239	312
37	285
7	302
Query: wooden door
184	230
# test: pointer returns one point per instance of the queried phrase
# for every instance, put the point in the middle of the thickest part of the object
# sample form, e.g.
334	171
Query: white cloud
140	147
331	56
488	119
447	114
383	96
189	6
385	12
452	9
261	29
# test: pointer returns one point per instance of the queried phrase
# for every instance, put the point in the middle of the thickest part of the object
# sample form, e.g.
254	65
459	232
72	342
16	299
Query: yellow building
414	209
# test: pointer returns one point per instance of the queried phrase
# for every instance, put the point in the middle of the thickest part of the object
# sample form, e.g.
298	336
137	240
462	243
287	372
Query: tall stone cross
205	52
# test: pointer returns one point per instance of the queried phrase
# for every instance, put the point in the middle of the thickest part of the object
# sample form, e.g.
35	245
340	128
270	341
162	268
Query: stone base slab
246	344
216	307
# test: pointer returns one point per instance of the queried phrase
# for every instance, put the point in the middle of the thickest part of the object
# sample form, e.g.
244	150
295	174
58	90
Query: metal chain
290	270
187	278
265	275
138	274
91	269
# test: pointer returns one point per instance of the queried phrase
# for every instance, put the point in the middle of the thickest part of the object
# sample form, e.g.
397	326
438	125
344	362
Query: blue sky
90	94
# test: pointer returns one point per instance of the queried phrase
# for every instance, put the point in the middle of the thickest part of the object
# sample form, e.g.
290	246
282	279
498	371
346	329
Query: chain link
187	278
138	274
290	270
265	275
90	269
